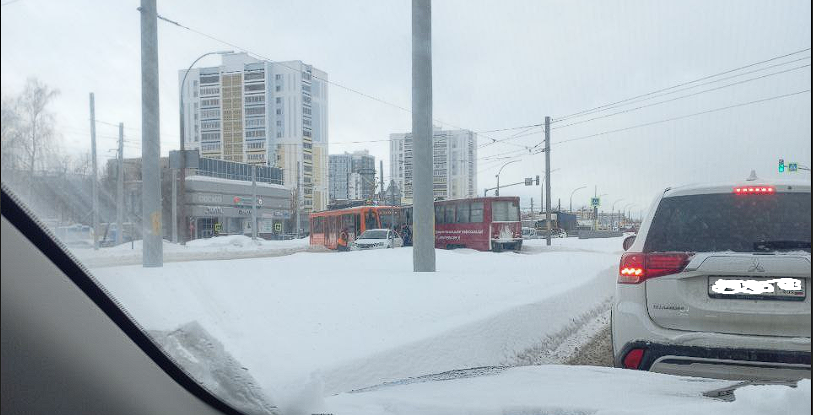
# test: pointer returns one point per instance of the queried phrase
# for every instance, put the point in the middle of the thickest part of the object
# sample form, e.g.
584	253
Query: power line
504	140
682	117
519	135
600	107
683	96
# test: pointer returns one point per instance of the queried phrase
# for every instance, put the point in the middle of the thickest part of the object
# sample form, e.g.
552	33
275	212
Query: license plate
762	288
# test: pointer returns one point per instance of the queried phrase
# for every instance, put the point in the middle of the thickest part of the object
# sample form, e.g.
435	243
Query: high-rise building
261	112
343	167
454	173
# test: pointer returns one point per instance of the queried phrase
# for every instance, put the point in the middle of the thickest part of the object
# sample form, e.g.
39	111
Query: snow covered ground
311	326
565	390
221	247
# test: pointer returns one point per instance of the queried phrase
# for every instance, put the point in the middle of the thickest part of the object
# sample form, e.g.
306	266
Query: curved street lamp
498	175
182	184
571	196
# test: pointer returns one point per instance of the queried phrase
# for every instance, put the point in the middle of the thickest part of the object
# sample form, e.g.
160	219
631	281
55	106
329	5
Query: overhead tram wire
680	97
602	107
743	104
660	92
683	96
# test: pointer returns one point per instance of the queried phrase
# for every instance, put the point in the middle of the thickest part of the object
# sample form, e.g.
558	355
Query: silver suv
717	284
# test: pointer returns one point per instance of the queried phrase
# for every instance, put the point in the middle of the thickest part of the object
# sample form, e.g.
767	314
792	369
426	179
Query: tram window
463	213
449	211
438	214
347	223
370	221
476	212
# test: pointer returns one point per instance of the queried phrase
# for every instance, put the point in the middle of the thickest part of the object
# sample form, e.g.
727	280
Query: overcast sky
496	64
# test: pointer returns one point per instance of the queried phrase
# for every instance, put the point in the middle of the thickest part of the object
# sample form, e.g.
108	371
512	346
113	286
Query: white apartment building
454	164
341	166
261	112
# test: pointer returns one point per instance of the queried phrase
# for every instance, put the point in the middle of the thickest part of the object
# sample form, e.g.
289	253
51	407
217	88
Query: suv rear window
728	222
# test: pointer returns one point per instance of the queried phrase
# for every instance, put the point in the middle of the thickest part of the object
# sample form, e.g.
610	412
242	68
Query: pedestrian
342	242
407	234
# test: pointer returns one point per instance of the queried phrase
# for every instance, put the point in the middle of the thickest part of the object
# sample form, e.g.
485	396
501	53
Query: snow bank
220	247
554	389
313	324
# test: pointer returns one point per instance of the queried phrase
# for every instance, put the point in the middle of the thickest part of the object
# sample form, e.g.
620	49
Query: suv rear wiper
767	246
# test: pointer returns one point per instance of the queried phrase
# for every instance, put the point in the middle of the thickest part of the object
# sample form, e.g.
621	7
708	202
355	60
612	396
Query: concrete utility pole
423	253
174	205
253	202
120	189
95	186
381	169
547	177
152	228
298	216
595	209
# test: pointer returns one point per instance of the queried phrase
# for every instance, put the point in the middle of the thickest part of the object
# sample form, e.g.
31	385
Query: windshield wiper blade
781	245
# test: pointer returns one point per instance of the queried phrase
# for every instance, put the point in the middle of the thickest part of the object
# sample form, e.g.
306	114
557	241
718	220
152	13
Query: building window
254	75
211	79
255	87
278	88
255	122
278	77
252	99
211	102
255	111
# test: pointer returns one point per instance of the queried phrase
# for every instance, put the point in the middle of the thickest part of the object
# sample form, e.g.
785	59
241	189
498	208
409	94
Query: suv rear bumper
720	363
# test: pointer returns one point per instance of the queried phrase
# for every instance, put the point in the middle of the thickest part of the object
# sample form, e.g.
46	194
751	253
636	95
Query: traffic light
781	165
537	180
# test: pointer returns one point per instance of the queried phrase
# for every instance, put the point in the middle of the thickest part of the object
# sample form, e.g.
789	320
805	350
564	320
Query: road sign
278	227
192	159
529	181
595	201
793	166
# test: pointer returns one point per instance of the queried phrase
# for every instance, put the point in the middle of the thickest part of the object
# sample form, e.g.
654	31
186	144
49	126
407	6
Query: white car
377	239
717	284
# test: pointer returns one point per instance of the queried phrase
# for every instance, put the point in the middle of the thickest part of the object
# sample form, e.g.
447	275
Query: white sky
496	65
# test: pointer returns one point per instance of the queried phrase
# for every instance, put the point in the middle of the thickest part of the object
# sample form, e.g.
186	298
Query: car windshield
374	234
730	222
215	165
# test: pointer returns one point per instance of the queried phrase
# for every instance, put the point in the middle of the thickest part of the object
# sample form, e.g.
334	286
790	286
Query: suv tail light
637	267
633	359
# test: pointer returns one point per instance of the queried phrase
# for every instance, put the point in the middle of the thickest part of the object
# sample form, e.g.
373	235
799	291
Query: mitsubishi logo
756	266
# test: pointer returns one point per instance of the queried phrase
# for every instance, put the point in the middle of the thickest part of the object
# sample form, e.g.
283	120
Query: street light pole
498	175
612	213
571	196
182	185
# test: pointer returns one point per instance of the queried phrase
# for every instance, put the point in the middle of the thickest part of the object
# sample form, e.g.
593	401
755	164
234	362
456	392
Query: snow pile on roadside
220	247
205	359
336	322
554	389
